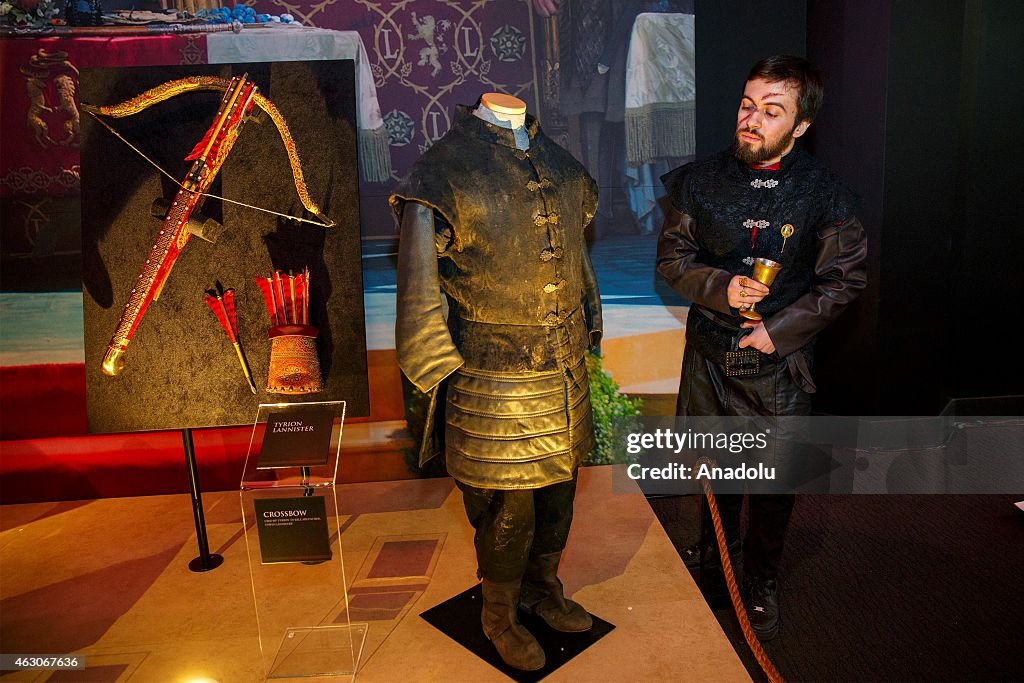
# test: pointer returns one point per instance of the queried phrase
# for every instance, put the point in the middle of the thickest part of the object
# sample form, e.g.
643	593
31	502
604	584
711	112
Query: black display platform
459	619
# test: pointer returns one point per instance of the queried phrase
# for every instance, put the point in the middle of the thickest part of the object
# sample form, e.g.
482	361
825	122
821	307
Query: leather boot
516	646
543	596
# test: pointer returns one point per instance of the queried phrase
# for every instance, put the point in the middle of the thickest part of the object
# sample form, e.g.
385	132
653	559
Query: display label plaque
292	529
296	439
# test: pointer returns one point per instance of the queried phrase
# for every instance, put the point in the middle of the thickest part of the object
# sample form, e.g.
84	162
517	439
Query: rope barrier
734	592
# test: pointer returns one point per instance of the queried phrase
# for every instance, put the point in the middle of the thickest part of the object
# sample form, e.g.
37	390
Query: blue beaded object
241	14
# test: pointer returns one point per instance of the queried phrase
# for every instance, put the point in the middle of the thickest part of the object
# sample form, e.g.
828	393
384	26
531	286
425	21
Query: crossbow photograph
265	176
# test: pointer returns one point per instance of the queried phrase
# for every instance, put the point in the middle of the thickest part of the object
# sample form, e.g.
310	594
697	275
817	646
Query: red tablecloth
39	102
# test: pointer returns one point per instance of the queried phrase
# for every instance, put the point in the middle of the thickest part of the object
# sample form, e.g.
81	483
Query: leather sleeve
426	352
677	263
840	273
592	302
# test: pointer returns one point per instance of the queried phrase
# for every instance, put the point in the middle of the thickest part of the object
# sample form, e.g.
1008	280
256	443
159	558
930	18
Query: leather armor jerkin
500	232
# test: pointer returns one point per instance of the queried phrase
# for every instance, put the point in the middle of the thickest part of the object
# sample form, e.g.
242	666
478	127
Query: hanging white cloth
661	91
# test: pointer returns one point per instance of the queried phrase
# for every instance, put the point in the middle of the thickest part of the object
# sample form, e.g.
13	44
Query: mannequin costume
499	230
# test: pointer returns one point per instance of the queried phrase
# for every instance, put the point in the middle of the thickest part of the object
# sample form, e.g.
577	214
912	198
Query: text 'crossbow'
179	224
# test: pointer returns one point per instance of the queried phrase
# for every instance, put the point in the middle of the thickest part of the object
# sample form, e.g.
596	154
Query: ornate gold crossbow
208	156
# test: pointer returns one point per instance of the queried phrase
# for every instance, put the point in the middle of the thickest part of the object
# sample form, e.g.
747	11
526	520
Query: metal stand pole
206	560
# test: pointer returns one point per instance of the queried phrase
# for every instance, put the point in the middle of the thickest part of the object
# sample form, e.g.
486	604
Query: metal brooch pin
787	231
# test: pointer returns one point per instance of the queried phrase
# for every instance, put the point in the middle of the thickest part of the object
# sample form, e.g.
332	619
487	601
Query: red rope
734	592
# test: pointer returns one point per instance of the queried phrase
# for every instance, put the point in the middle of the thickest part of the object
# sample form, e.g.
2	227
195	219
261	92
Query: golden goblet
765	271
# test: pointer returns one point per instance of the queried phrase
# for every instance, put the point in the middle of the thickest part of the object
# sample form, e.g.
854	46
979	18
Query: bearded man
763	198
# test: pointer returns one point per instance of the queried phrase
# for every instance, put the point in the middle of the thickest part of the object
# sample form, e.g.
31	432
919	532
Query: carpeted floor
891	588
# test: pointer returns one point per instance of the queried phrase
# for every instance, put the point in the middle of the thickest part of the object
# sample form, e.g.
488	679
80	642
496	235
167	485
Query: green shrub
612	413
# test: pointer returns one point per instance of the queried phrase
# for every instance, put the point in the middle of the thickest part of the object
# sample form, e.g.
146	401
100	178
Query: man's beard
748	153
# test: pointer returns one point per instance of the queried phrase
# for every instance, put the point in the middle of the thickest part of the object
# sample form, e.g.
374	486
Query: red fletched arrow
229	308
200	147
301	299
282	307
216	304
287	297
218	133
293	303
268	297
222	303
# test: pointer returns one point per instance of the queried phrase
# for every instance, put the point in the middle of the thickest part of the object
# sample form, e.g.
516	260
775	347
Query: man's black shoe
691	555
762	599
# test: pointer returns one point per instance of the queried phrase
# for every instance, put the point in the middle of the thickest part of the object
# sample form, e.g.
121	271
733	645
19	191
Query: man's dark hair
796	72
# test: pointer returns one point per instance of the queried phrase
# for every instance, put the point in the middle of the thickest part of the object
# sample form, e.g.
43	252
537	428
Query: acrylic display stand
294	542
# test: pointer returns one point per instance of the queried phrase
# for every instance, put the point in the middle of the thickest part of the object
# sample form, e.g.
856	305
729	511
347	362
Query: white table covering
287	43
